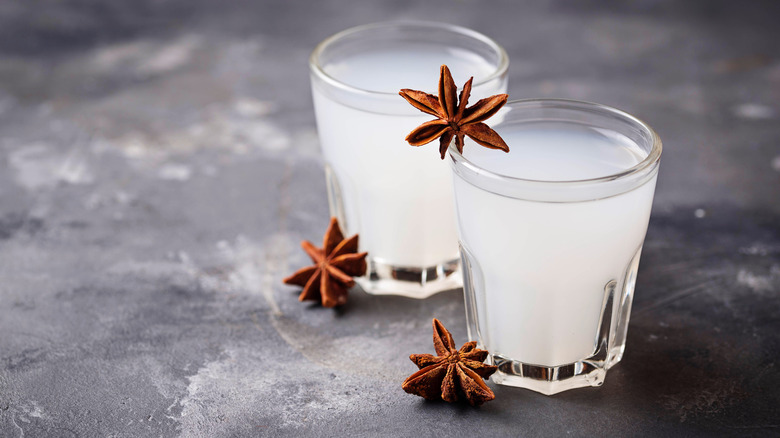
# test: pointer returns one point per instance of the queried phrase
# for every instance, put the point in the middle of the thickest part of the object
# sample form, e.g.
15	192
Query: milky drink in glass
552	251
398	197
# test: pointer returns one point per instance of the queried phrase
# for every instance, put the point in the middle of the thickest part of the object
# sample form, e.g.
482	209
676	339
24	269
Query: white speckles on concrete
201	98
704	402
250	268
776	163
144	57
174	172
100	199
358	355
40	165
132	145
169	272
218	129
169	56
248	107
754	111
759	249
25	413
243	267
33	409
32	166
758	282
75	170
259	134
241	377
159	375
107	58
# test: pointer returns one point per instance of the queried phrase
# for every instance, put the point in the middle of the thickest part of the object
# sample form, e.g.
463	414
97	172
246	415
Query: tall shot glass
551	236
398	198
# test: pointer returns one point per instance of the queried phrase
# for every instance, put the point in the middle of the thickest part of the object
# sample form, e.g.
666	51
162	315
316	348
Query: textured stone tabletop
159	164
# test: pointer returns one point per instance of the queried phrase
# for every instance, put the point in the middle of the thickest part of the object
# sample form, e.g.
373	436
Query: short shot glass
550	238
399	198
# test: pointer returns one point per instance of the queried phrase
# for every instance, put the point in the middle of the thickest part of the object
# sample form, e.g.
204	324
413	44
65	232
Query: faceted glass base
547	380
609	345
387	279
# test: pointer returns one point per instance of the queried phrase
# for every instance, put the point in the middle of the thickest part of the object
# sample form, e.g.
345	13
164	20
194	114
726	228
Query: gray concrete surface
159	164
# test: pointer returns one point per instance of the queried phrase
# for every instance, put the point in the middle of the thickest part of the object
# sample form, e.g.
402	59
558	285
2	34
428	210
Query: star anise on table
328	279
453	118
452	373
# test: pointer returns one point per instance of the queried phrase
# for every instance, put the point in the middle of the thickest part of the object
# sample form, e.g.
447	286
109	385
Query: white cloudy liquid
398	197
540	268
416	66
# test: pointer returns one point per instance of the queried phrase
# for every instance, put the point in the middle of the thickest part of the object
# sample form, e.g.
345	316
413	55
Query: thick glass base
590	371
413	282
608	346
547	380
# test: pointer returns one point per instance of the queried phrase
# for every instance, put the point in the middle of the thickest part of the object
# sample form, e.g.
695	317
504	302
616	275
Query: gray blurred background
159	163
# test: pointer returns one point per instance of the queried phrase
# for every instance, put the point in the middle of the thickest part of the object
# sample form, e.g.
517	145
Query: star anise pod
453	118
452	373
334	266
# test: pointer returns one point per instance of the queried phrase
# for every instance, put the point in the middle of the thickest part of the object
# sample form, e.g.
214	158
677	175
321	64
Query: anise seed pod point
453	119
329	278
451	374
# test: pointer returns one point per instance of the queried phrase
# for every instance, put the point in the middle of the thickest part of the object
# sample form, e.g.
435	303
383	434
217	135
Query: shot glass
550	237
398	198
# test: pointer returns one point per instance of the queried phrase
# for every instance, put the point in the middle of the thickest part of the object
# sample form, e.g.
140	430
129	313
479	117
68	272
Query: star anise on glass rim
453	118
451	373
328	279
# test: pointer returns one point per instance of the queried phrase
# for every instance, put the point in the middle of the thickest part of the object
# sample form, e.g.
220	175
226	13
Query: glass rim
316	67
652	159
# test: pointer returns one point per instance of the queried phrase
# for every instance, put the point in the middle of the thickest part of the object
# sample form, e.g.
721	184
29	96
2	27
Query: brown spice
452	373
334	266
453	118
